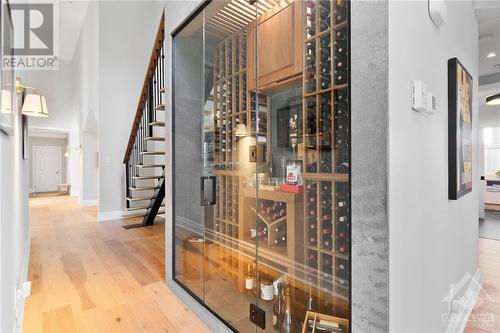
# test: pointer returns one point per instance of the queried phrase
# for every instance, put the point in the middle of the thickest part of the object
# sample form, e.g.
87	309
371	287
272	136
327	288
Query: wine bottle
312	167
325	83
340	35
312	199
312	225
325	42
249	280
326	187
343	219
278	307
327	217
327	231
340	77
280	240
325	166
310	305
341	65
326	202
288	321
342	203
312	186
311	86
312	239
327	244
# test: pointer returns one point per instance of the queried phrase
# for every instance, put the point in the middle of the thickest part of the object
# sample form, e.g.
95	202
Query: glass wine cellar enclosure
261	156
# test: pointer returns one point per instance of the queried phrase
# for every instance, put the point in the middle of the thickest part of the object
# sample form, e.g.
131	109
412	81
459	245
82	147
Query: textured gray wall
370	226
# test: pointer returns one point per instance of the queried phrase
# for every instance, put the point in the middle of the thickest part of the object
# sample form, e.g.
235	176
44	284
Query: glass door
230	256
262	163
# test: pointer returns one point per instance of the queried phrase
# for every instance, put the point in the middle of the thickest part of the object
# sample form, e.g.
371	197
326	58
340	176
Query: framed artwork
460	87
6	74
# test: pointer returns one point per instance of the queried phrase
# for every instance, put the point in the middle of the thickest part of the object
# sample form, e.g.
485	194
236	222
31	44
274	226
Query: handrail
155	55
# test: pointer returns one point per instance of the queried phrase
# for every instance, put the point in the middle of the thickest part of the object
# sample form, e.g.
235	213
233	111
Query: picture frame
7	94
460	97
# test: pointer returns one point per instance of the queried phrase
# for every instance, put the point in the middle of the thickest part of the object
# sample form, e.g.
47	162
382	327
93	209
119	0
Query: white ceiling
71	18
488	14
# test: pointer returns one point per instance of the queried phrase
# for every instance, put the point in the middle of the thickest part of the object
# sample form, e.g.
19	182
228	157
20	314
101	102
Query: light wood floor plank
91	277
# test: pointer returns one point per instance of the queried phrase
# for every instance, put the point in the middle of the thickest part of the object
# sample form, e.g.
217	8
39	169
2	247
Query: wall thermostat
422	100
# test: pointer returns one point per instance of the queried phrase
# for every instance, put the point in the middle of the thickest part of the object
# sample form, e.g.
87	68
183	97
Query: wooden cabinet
279	46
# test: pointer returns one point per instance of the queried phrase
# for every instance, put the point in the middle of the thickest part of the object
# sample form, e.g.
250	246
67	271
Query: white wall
14	241
85	89
127	34
56	87
433	241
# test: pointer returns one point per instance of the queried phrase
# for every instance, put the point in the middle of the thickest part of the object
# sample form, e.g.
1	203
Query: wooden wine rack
233	105
321	109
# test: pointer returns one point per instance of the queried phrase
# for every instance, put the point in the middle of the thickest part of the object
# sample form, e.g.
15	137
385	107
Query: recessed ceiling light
491	55
493	100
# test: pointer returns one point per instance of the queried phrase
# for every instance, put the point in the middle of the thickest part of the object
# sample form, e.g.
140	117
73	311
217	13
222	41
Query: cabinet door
279	46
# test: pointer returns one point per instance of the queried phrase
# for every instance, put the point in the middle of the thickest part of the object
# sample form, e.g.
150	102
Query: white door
46	168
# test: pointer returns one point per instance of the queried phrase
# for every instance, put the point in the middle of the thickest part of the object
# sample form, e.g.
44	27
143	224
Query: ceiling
488	14
71	18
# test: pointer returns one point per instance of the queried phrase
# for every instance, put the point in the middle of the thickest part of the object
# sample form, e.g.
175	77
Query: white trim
109	216
468	301
59	151
93	202
23	278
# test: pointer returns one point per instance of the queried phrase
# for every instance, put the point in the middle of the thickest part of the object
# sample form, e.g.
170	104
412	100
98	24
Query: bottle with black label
278	307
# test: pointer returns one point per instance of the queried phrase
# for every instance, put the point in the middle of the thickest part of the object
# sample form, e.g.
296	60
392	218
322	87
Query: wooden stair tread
140	207
150	165
160	107
140	199
147	177
154	138
153	153
157	123
146	188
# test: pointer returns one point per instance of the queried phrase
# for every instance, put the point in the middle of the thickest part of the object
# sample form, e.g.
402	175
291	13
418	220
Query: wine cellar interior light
276	149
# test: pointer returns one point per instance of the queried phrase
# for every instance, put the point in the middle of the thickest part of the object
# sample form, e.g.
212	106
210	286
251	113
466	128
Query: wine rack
271	223
326	124
230	105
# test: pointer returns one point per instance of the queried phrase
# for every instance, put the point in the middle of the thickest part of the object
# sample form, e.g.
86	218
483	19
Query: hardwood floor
485	317
98	277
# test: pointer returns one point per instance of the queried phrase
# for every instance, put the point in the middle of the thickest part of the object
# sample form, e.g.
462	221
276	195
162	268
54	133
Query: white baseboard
74	193
109	216
23	278
458	321
88	202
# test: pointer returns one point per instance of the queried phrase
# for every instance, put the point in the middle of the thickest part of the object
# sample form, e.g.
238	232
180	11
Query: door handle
207	190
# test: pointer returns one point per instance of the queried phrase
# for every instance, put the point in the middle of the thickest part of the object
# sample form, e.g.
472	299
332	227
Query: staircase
145	154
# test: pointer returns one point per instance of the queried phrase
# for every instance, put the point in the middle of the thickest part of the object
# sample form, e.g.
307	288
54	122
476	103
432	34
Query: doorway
46	168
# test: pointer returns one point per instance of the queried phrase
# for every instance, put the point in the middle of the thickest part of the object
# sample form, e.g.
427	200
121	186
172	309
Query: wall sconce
6	106
241	130
34	105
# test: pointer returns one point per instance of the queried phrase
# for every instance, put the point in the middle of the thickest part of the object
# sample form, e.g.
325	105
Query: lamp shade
241	130
35	106
493	100
6	101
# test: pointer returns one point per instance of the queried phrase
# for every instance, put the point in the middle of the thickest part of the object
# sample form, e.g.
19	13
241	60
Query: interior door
214	258
47	168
